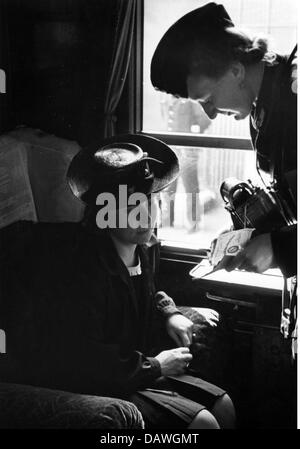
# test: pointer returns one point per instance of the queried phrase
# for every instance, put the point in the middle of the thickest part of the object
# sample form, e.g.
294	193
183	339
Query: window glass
193	221
161	113
192	209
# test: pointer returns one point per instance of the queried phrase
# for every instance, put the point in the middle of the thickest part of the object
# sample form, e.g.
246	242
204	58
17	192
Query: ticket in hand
230	244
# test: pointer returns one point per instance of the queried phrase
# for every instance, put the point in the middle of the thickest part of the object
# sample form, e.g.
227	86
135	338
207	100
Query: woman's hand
208	316
180	329
257	256
174	361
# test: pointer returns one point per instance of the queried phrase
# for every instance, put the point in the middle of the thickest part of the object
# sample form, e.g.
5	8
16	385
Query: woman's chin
241	115
144	236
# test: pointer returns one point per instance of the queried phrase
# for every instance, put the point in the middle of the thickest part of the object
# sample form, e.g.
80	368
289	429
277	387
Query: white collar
135	271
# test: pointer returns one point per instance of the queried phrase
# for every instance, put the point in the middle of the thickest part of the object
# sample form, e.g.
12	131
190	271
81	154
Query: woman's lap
162	410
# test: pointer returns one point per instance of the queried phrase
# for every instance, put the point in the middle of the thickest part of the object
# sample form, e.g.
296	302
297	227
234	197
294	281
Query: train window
209	150
192	210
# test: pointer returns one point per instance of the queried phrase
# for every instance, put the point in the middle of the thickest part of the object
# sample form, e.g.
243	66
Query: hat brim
84	174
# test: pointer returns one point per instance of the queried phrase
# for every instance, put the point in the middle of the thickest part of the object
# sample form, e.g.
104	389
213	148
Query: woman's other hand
174	362
257	256
180	329
207	316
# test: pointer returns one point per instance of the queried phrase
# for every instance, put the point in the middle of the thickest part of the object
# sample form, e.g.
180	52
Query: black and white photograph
148	217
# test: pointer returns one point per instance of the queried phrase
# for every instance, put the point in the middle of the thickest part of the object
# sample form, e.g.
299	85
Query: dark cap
141	162
170	62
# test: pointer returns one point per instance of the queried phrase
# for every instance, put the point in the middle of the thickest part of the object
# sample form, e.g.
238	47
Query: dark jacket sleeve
165	305
284	242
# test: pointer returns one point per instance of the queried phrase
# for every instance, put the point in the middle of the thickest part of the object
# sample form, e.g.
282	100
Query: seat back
33	185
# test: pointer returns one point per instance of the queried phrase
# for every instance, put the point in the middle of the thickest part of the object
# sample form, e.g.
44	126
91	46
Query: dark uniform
274	137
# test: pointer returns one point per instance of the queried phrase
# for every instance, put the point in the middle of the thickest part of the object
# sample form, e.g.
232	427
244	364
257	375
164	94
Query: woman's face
141	221
227	95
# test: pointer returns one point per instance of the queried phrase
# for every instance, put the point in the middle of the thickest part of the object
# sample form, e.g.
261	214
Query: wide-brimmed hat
141	162
170	62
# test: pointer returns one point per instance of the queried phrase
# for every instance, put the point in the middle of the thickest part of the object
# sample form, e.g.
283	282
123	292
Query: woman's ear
238	71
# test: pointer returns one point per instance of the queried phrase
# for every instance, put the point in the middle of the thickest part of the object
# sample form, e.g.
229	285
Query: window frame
136	76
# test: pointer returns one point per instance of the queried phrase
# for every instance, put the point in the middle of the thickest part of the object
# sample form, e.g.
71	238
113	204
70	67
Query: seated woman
127	178
83	314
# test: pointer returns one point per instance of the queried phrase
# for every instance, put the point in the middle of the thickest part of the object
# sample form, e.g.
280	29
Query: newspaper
230	244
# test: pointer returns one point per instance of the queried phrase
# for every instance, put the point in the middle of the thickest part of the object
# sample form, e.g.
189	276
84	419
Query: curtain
7	109
120	62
